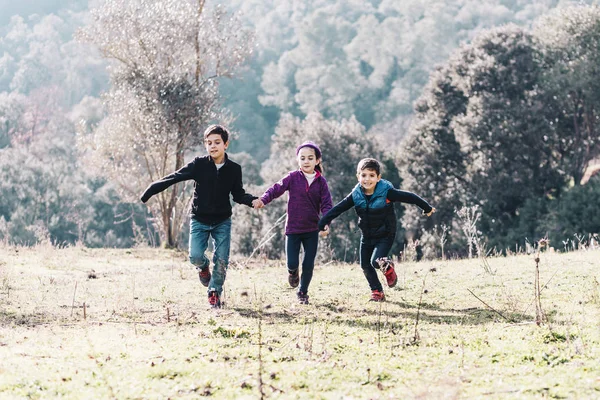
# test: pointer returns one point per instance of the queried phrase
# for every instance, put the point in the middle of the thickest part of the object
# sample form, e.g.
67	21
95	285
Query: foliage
246	222
46	198
432	162
489	101
570	40
577	212
164	91
508	123
365	59
13	120
254	122
38	51
506	138
569	222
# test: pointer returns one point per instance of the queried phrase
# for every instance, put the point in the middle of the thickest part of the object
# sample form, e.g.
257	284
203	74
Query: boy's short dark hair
217	130
369	163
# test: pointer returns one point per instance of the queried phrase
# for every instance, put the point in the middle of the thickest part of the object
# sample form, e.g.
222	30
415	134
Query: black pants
370	250
310	242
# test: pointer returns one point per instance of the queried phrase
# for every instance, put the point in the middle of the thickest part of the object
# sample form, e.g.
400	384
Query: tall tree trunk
171	220
169	241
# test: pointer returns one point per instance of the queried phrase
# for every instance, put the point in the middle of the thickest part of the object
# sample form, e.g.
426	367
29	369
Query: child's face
216	147
368	178
307	160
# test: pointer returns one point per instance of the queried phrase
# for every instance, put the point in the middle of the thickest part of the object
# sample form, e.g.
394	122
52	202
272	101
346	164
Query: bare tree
167	58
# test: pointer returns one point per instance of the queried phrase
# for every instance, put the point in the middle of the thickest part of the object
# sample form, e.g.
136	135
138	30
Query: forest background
487	109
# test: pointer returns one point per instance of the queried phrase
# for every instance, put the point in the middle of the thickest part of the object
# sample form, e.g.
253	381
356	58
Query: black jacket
212	188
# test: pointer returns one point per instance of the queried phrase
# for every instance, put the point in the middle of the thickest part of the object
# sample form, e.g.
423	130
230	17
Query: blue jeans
310	242
370	250
221	235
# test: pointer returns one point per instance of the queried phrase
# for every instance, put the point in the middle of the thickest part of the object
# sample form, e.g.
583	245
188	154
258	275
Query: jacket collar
225	159
318	174
381	189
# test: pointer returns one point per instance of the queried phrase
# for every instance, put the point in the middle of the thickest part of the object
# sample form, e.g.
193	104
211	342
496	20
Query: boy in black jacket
216	177
373	199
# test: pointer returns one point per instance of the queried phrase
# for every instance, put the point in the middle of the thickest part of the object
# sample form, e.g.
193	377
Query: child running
308	197
216	177
372	199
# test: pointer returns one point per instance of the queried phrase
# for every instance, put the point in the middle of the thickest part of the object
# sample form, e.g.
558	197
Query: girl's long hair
319	166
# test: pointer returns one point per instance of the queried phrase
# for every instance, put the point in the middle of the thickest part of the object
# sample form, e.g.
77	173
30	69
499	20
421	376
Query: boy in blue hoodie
372	199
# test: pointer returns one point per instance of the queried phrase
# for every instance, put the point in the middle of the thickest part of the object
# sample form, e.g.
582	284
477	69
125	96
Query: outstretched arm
336	211
276	190
410	198
183	174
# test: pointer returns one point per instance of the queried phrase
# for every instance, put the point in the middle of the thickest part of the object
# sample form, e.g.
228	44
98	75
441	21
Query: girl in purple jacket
308	198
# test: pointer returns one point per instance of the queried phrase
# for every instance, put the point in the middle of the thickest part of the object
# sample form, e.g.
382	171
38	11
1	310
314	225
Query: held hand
257	203
324	232
430	212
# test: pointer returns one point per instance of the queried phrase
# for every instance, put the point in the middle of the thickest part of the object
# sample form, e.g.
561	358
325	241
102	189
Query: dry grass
148	332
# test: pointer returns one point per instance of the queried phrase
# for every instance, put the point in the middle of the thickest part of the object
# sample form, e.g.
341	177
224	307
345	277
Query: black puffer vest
376	217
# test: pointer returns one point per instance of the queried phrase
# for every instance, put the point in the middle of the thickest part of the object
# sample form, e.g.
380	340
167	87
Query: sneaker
387	267
294	278
377	295
302	297
213	299
204	275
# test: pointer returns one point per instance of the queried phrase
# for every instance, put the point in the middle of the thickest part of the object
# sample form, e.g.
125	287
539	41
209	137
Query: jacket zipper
216	185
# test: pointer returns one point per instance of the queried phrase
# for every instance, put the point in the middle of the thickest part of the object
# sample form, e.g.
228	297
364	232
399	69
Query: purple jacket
305	203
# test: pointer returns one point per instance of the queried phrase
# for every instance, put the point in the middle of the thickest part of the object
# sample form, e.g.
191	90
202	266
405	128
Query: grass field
135	324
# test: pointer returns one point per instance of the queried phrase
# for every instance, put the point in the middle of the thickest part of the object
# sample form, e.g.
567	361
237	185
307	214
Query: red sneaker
376	295
213	299
204	275
387	267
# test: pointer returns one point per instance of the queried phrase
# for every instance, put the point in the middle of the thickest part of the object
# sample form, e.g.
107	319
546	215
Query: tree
370	59
47	198
431	160
12	110
494	143
40	52
570	39
508	140
167	57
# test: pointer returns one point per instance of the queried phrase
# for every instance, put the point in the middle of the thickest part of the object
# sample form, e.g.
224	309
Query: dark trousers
310	242
370	250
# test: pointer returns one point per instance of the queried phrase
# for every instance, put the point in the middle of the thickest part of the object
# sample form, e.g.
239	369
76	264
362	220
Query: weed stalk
73	304
417	337
379	326
540	316
264	241
259	310
488	306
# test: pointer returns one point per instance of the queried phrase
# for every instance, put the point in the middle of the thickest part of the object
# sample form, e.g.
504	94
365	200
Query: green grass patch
142	328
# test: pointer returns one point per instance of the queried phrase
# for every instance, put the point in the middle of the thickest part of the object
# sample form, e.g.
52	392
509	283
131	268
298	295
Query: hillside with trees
487	109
